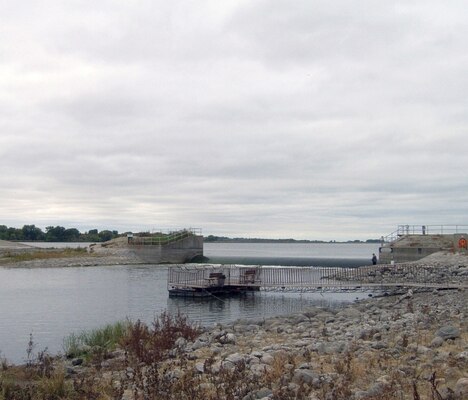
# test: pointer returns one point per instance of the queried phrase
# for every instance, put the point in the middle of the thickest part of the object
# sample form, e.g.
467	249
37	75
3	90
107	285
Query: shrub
151	343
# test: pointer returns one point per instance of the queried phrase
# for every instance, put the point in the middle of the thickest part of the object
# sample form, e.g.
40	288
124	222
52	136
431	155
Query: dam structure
414	242
174	247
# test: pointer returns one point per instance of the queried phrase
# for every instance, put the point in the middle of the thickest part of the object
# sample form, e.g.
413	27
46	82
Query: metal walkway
207	279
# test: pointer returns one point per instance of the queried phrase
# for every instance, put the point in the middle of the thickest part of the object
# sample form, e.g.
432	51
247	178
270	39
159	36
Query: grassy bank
46	254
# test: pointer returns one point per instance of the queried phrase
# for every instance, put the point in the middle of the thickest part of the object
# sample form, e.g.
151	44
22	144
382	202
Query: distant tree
71	235
3	232
31	232
55	234
15	234
105	235
91	236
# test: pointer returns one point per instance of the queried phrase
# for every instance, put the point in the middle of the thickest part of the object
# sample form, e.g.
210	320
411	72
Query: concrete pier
178	247
412	243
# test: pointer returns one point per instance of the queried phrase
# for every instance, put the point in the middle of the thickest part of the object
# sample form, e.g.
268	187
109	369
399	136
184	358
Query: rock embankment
382	348
422	273
369	348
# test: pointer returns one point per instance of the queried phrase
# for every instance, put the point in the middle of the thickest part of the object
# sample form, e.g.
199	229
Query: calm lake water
51	303
297	254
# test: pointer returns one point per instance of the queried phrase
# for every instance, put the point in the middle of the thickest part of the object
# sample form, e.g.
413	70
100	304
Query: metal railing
313	279
405	230
160	238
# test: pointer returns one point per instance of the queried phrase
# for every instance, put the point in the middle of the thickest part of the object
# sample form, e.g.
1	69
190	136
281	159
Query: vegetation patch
151	344
104	339
44	254
44	377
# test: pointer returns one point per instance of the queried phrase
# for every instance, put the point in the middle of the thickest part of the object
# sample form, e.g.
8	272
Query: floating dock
209	280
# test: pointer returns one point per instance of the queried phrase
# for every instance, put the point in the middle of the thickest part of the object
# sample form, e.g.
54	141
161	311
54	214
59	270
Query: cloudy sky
260	118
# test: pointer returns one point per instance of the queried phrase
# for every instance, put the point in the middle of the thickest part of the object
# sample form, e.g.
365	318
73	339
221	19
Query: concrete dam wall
177	252
411	243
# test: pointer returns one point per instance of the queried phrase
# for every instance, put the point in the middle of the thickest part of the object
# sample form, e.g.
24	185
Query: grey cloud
312	119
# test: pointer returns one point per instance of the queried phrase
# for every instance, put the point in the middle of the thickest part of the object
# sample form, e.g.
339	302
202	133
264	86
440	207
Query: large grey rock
267	359
306	376
461	389
257	354
253	360
199	344
437	342
379	345
448	332
235	358
228	338
263	393
200	367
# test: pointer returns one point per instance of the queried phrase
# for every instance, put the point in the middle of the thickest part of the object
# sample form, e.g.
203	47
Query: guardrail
405	230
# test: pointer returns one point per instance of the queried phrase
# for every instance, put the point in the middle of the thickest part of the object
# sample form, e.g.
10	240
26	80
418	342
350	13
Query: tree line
55	234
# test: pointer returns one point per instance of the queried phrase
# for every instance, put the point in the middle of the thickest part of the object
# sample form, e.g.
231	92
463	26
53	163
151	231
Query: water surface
51	303
292	254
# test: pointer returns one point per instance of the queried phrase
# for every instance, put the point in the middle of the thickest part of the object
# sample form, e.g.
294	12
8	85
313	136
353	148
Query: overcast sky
304	119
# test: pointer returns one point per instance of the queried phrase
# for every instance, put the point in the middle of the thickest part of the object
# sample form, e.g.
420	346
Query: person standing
374	259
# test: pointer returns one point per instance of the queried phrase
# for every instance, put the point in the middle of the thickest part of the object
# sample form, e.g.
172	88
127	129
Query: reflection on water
255	306
51	303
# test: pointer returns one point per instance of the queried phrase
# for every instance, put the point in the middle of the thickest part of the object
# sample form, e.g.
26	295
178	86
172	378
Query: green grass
107	338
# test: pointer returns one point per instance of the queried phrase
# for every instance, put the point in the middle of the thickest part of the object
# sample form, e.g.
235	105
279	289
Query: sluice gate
206	280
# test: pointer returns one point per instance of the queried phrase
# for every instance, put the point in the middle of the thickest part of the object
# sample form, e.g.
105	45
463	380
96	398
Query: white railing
406	230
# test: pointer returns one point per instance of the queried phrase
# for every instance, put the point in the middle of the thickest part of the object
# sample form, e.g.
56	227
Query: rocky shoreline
412	346
381	348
